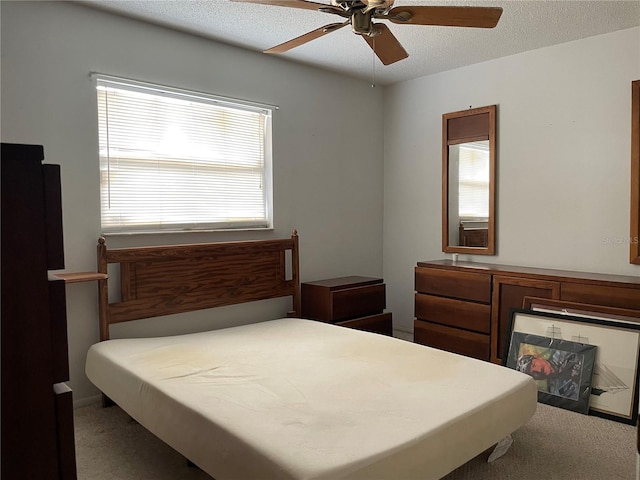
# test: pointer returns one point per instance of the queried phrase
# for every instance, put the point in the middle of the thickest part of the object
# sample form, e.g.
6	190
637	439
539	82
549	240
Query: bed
289	398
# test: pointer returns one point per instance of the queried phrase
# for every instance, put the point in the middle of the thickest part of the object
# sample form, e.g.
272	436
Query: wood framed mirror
634	240
469	181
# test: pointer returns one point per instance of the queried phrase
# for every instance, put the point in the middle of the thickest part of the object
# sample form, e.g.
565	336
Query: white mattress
299	399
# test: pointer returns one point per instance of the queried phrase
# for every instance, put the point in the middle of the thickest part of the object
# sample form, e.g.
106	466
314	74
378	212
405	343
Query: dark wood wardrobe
37	408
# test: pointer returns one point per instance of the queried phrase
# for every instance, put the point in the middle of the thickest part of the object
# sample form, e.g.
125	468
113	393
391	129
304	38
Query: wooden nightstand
355	302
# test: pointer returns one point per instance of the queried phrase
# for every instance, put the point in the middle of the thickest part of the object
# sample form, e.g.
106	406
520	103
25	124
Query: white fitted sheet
299	399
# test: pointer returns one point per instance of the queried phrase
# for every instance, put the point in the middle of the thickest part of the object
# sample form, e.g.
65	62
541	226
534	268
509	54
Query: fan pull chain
373	64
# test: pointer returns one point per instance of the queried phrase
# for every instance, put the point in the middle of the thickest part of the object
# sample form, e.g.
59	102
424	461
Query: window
474	180
174	160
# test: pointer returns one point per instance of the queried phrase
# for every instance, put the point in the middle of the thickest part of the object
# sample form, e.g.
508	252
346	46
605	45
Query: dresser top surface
529	271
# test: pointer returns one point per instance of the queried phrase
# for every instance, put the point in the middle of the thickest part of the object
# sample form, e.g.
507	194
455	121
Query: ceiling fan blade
307	37
295	4
481	17
386	46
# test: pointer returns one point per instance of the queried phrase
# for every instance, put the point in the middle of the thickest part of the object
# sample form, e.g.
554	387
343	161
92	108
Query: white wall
327	176
564	136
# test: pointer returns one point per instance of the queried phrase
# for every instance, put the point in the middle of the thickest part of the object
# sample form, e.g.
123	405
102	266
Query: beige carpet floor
555	444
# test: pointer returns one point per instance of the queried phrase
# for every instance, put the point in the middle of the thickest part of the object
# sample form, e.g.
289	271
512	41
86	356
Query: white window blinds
173	160
474	180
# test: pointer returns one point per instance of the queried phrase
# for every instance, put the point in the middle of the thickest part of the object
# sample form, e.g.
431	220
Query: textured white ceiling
524	25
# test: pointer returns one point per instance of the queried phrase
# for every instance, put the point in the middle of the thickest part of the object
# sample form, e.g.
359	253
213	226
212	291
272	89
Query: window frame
155	227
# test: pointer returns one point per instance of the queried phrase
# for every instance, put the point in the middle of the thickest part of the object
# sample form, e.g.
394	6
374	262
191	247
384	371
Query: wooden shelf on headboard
77	277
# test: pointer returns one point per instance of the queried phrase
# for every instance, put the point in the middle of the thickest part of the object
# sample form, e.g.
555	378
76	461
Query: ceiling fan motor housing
361	23
370	4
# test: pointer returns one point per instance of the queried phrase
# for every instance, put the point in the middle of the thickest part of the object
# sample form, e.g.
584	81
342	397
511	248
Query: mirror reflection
468	181
469	176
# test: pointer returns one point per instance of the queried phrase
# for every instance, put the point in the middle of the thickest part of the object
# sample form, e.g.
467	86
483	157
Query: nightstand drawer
454	313
356	302
454	284
343	298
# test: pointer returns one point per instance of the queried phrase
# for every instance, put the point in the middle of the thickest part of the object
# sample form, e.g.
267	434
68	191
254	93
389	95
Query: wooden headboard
163	280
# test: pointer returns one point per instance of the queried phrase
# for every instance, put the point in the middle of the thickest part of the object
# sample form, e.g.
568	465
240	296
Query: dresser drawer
454	284
454	313
453	340
611	296
345	298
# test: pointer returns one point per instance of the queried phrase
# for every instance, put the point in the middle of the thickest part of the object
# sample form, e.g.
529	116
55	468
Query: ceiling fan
361	13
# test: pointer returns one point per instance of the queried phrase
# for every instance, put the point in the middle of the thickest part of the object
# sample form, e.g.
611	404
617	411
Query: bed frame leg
107	402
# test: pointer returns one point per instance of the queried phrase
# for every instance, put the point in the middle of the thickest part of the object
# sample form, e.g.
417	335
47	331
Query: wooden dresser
465	307
355	302
37	407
